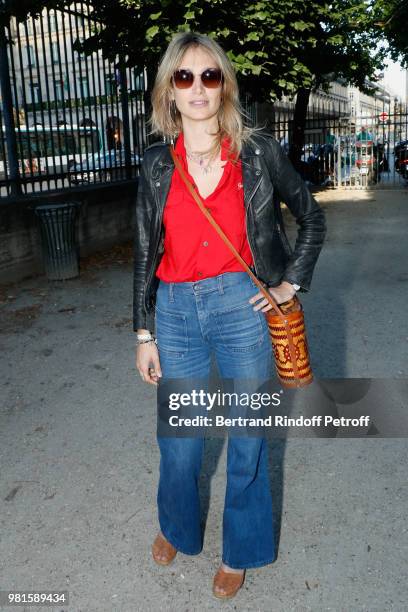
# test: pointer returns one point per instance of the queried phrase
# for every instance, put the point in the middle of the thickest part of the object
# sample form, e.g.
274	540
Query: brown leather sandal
163	548
227	584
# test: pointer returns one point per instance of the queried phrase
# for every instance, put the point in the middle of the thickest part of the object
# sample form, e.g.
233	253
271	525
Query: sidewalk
80	463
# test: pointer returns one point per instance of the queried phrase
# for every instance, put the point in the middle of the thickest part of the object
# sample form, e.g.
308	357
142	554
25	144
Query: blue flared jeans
193	320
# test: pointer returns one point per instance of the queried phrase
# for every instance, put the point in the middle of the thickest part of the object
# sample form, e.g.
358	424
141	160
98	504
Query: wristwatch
295	286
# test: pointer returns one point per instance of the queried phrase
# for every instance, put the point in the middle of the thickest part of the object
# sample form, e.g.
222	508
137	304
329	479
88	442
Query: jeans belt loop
220	284
171	292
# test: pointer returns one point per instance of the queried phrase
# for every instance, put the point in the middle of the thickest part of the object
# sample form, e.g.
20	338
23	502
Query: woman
190	287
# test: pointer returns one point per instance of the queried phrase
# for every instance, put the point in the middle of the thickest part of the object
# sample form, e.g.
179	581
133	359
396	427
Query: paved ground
79	460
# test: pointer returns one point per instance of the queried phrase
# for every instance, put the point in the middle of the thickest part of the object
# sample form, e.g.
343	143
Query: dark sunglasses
210	78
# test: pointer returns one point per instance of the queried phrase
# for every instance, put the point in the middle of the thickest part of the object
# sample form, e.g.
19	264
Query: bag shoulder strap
217	228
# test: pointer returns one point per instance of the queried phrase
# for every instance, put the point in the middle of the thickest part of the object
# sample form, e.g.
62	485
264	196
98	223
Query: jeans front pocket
171	332
240	328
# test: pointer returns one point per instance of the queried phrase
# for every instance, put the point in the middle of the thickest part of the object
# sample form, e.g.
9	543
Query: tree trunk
299	124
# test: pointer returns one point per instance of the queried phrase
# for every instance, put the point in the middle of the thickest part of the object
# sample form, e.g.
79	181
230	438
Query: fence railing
348	150
67	118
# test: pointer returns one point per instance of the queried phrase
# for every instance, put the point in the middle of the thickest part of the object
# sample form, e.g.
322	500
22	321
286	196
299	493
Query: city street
80	463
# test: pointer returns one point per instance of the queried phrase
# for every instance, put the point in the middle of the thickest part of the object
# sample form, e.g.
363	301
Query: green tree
391	17
278	47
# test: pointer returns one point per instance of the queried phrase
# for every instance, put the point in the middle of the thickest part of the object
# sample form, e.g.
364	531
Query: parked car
401	158
321	165
104	166
380	150
309	148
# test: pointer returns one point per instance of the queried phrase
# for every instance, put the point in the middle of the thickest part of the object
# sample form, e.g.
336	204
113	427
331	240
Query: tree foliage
276	46
391	17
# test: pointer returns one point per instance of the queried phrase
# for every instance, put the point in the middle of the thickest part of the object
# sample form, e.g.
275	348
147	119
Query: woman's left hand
282	293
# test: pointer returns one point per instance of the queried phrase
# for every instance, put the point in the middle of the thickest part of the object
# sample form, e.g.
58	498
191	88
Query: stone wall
105	219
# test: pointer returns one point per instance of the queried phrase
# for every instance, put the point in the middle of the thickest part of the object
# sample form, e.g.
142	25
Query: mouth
198	103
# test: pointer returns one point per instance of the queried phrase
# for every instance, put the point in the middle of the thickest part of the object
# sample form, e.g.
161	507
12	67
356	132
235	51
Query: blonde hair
166	119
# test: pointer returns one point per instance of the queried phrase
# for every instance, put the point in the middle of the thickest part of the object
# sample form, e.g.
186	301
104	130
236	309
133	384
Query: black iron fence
73	119
344	149
67	118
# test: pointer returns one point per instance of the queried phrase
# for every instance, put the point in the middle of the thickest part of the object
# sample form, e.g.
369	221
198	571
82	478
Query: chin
199	114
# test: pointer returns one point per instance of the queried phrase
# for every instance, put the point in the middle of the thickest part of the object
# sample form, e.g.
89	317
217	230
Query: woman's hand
148	363
282	293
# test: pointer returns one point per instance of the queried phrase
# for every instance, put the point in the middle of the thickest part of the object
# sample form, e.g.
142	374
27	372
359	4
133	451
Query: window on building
35	92
59	93
109	84
83	86
80	39
29	56
25	27
138	80
53	22
54	52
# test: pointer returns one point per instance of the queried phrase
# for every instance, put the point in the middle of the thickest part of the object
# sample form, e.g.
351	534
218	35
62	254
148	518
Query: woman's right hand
148	362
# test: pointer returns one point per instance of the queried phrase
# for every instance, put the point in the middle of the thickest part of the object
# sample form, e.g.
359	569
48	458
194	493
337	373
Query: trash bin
59	246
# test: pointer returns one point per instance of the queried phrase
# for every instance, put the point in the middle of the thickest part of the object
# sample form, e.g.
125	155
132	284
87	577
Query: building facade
53	84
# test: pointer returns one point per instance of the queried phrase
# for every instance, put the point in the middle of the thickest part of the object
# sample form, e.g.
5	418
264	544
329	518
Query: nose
198	86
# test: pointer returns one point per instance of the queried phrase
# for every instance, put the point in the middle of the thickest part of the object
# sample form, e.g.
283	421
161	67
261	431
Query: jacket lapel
162	172
251	171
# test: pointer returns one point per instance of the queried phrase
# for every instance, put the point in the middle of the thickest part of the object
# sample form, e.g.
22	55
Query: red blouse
192	248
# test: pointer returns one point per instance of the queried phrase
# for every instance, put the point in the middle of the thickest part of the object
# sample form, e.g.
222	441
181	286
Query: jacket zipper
249	243
246	222
284	240
152	269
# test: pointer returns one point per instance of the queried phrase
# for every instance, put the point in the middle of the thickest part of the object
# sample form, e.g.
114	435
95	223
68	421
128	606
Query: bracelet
144	336
145	341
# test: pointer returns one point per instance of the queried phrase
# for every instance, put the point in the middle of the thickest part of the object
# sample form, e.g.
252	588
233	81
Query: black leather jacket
268	178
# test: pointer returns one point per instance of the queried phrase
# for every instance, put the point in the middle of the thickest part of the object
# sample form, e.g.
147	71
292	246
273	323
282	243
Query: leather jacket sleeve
143	214
310	218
